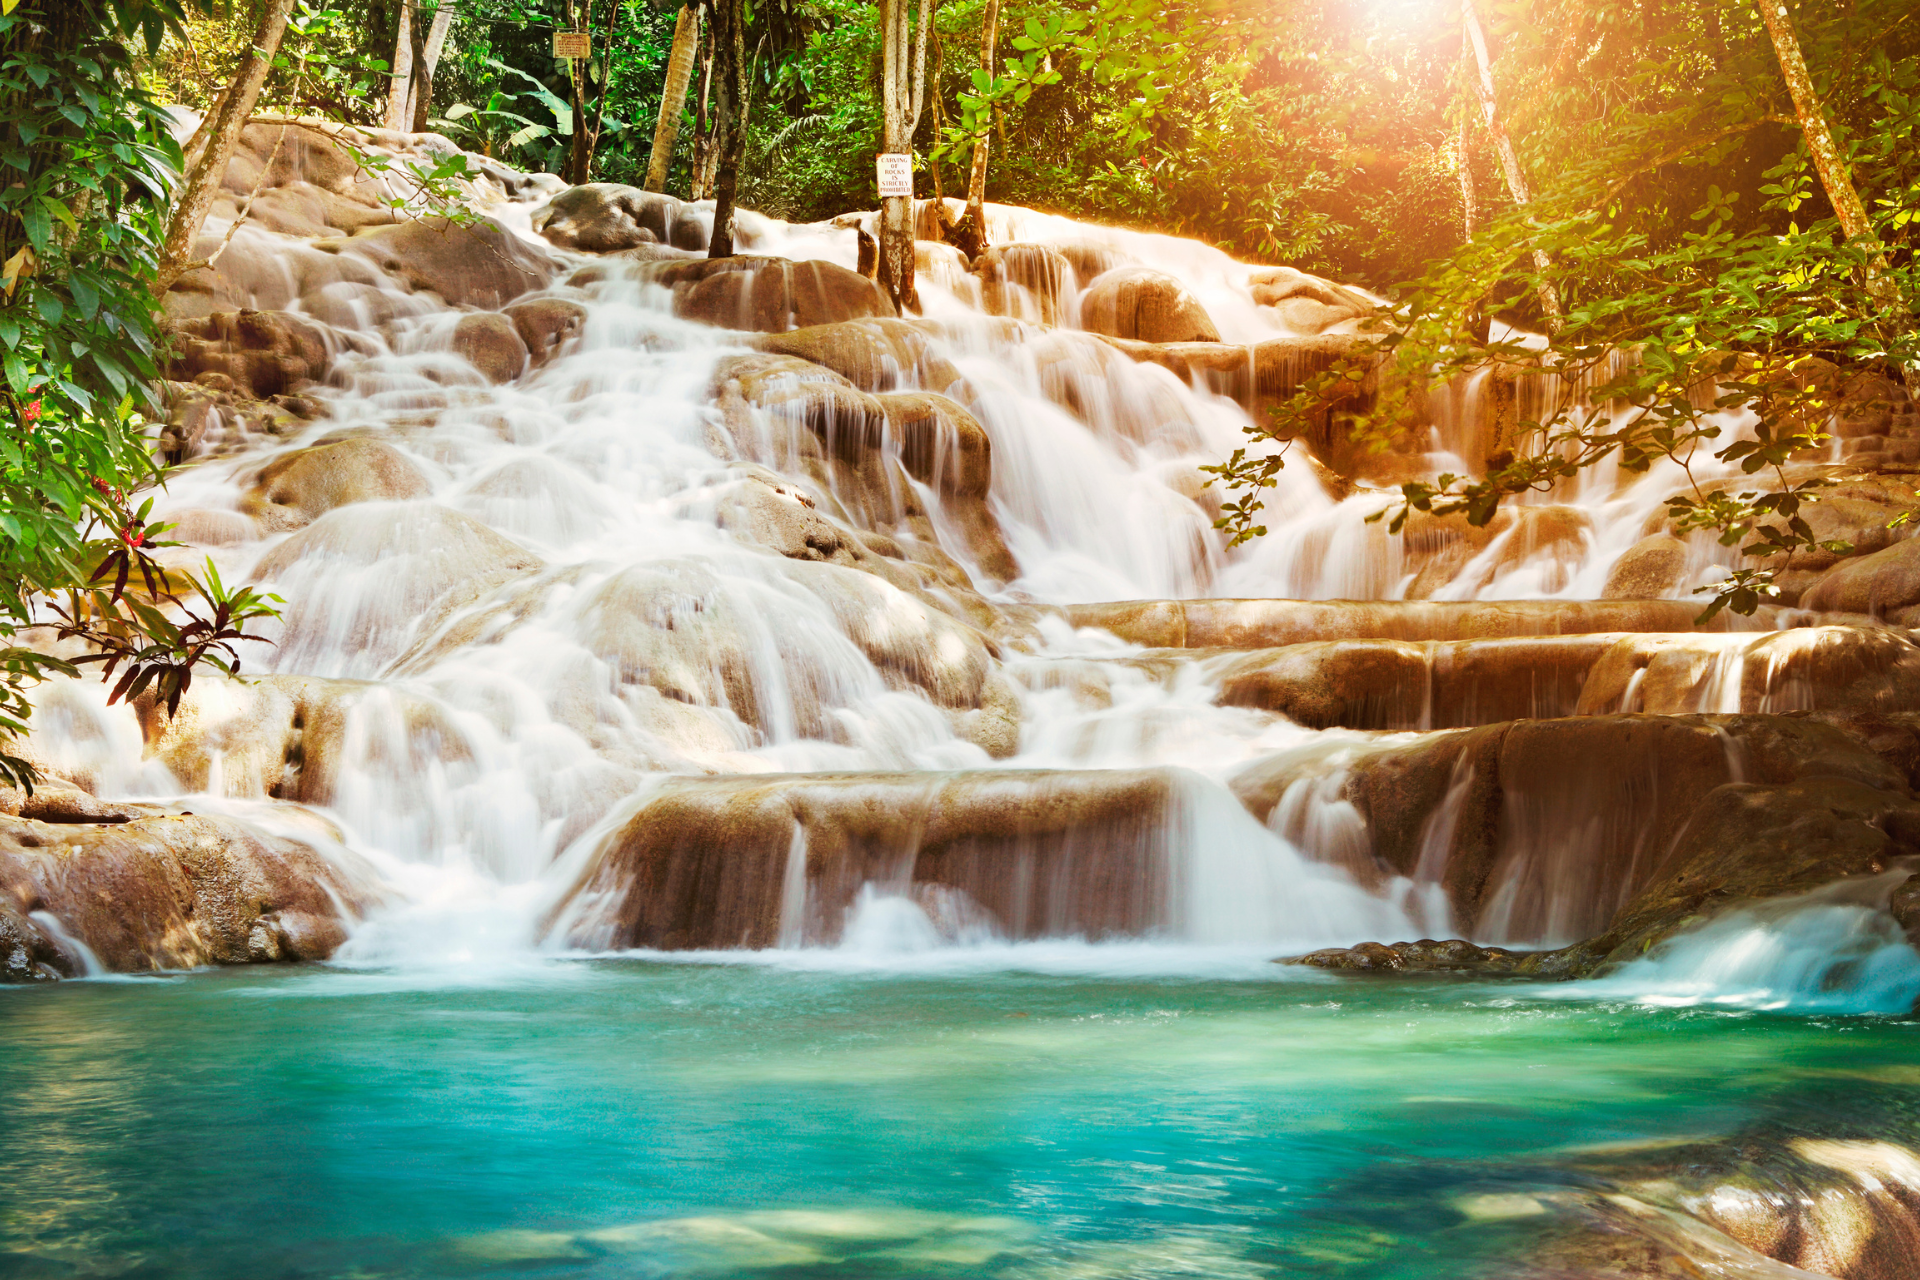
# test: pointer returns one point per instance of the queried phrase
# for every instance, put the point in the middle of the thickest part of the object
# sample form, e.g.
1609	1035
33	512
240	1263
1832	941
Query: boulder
1885	584
1653	568
364	582
880	354
767	511
706	862
299	487
491	343
605	217
1542	832
1832	669
263	353
545	325
480	265
766	295
1147	305
1307	304
1026	282
170	891
701	639
862	449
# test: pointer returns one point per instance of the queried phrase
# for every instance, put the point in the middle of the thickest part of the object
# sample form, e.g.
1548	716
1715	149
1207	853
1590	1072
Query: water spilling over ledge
714	613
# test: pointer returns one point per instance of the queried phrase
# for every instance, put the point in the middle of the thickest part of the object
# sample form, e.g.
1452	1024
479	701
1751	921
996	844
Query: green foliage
82	212
1683	301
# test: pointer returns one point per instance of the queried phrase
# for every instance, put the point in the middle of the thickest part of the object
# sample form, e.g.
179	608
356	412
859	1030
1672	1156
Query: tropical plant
82	218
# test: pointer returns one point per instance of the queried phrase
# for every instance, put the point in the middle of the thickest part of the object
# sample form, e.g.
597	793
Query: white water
569	617
1835	950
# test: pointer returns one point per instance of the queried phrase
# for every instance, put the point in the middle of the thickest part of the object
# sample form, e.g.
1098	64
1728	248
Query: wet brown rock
491	343
1652	569
545	325
862	450
166	891
766	295
772	513
1030	853
677	627
263	353
880	354
1147	305
430	561
1027	282
1747	842
605	217
1837	669
1398	684
1885	584
282	737
481	265
1305	303
1265	624
1542	831
299	487
1455	955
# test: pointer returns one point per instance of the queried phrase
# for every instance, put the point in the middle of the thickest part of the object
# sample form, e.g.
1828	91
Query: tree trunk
701	183
428	63
896	212
673	100
971	235
1827	160
400	86
200	185
1509	159
730	39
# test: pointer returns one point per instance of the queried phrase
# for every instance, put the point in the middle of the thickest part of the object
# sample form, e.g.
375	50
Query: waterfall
546	605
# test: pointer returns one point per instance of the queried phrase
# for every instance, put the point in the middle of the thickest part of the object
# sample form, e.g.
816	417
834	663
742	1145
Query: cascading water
743	844
573	594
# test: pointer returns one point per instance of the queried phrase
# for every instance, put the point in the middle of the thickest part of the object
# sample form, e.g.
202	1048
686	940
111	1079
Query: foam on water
1832	951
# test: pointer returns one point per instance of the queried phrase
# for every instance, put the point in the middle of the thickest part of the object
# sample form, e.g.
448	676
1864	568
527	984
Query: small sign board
896	174
571	44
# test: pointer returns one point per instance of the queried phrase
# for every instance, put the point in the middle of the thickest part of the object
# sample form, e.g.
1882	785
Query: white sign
896	174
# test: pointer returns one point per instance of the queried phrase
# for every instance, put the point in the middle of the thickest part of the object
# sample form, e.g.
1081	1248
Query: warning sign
896	174
571	44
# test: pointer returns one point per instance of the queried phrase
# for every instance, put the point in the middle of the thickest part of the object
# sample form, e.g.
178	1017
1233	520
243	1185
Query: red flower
132	536
31	411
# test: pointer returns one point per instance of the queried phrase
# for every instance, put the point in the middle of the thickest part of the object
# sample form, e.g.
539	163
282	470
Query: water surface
1066	1112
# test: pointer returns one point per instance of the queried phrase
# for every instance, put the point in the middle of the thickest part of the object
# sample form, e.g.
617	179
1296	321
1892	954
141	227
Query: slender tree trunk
730	37
703	129
400	86
1827	160
200	185
971	236
1509	159
428	63
1469	201
673	100
900	103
